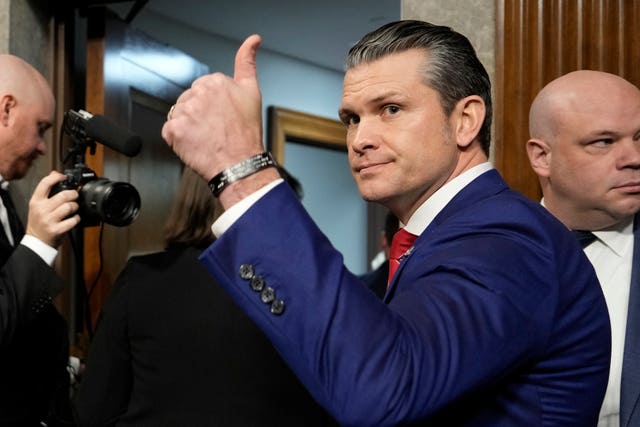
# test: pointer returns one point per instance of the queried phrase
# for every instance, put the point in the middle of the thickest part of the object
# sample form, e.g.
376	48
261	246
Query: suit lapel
485	185
630	391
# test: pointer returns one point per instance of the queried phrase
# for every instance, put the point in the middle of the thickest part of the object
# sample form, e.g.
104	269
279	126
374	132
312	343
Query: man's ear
7	102
539	154
469	114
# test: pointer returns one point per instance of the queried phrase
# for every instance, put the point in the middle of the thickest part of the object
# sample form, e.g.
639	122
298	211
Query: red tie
401	243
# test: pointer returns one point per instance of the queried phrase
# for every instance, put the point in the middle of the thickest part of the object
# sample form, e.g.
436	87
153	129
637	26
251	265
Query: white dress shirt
4	217
421	218
611	255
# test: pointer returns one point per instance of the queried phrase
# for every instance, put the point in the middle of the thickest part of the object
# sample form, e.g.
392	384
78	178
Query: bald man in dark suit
33	335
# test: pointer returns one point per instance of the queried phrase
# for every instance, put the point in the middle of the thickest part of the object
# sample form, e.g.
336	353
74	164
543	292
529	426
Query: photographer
33	335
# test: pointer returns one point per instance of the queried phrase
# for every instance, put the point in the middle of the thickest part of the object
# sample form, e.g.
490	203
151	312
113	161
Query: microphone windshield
113	136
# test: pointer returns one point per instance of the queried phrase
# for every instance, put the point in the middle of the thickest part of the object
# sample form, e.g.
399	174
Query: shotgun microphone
87	126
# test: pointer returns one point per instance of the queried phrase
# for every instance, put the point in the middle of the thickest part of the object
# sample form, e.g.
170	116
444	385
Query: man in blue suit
494	317
585	148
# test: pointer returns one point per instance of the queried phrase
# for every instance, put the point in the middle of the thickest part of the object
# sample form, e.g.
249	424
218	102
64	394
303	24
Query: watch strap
241	170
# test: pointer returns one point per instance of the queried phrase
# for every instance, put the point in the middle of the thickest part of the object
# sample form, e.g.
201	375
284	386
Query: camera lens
116	203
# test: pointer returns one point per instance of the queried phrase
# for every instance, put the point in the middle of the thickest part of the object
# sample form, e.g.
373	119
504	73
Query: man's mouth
370	167
629	187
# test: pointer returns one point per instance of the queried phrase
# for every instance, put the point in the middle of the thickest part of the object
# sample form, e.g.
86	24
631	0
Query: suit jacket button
267	295
246	271
257	283
277	307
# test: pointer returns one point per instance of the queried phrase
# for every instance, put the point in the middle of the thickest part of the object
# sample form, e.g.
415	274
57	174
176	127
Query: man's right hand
218	123
50	218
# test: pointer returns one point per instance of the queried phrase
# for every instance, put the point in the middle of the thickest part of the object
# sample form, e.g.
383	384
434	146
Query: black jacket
172	349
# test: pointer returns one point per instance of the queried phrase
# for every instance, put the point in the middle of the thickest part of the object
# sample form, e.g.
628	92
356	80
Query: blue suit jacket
496	317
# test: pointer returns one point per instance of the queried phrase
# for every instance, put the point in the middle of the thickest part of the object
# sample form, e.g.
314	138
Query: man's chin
374	197
20	172
625	210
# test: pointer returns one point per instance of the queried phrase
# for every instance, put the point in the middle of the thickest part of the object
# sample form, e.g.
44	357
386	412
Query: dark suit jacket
34	345
376	280
496	318
630	393
27	285
172	349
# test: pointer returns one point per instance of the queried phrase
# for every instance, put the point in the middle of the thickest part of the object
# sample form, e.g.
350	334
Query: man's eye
353	120
602	142
392	109
42	129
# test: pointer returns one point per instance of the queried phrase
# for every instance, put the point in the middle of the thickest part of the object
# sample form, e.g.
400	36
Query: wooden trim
284	124
95	104
538	41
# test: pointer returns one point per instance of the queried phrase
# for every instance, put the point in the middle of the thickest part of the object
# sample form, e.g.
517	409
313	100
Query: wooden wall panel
540	40
130	81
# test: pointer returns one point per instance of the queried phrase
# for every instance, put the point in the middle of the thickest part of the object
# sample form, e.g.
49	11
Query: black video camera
100	200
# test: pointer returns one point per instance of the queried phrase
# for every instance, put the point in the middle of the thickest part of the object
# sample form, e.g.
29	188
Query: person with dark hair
172	349
493	315
377	279
585	148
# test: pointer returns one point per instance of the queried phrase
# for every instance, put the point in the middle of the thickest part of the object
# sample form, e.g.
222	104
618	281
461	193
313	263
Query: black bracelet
240	170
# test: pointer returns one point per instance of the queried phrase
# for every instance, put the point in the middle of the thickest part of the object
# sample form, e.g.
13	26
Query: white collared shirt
4	217
423	216
611	255
420	219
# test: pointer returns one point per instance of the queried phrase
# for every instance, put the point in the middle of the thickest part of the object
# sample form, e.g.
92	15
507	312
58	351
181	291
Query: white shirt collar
618	239
423	216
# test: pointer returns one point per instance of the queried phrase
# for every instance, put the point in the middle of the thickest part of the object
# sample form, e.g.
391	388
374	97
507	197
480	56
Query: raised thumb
245	64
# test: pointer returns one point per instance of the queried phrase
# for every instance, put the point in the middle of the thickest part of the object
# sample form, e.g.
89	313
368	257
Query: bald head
26	112
585	147
580	92
20	79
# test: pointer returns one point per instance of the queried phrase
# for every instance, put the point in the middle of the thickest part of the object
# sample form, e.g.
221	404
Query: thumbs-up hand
218	121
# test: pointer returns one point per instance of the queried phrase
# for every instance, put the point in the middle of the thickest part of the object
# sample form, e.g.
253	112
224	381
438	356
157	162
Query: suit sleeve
106	384
447	335
27	286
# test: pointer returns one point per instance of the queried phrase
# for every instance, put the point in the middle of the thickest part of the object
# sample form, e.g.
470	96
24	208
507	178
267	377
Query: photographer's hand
50	218
218	123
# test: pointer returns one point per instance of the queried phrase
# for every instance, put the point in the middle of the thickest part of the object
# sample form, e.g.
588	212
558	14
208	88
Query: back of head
19	79
453	68
194	210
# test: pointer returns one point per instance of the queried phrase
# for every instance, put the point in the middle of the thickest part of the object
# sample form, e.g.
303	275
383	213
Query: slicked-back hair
452	67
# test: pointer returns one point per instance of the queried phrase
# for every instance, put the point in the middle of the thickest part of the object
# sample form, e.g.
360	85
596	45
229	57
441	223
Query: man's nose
41	148
630	153
366	137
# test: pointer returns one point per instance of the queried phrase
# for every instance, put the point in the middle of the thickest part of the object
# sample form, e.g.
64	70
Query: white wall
294	84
